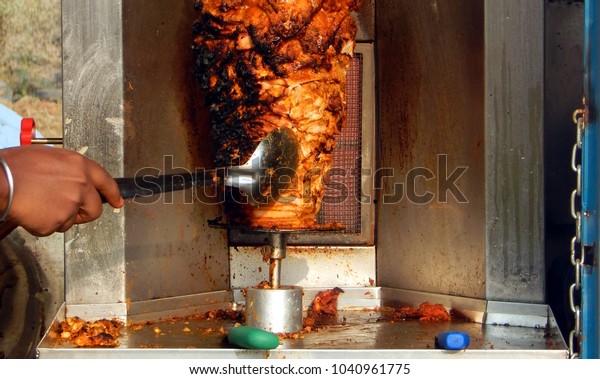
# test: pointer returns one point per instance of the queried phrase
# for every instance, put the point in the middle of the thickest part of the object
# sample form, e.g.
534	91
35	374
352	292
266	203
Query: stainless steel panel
306	266
132	103
514	81
365	20
170	249
467	79
514	314
431	207
93	122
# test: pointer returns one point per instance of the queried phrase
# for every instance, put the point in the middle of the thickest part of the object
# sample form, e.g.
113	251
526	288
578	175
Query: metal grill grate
342	198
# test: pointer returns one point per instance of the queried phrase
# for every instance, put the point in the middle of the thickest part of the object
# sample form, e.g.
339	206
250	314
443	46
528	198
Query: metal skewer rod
275	273
277	242
47	141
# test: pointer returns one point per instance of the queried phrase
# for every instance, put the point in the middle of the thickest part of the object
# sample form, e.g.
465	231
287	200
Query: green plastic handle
249	337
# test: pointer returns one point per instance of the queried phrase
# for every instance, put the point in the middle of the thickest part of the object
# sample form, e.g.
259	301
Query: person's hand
54	189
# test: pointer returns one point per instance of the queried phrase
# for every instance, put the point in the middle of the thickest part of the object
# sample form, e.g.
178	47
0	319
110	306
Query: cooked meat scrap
425	312
276	63
221	314
101	333
99	340
433	312
265	284
325	302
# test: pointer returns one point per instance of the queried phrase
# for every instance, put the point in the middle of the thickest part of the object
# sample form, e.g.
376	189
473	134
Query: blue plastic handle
453	340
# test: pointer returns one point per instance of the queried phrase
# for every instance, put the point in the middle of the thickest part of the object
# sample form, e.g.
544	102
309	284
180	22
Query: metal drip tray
360	330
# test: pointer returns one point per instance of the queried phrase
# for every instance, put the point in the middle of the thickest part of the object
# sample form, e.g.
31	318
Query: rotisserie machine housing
439	182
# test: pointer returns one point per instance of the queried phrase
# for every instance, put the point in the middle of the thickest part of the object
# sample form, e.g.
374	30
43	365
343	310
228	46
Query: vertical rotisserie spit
276	63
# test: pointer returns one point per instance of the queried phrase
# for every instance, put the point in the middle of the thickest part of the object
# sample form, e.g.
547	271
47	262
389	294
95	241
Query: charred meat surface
276	63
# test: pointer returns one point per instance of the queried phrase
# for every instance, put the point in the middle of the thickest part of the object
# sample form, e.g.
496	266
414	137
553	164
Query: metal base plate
359	331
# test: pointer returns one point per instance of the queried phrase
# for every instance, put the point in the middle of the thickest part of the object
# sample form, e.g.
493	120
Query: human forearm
54	189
